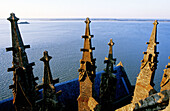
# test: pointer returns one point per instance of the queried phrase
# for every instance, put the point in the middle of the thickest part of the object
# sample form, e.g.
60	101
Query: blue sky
157	9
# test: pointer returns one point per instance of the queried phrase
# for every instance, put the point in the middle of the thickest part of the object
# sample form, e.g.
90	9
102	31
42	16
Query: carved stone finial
155	22
13	17
46	57
111	43
87	32
87	20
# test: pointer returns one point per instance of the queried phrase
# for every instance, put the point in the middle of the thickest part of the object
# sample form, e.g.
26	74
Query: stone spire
110	61
23	78
108	82
47	79
87	55
86	72
144	83
49	101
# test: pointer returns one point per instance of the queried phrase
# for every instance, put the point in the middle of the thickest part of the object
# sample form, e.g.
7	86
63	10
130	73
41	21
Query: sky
154	9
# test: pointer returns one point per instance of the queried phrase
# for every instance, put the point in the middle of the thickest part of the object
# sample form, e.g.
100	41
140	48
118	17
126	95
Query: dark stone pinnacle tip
12	17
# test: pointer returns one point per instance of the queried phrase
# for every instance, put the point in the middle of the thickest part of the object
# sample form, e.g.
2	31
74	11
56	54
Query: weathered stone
92	103
165	83
150	101
145	103
166	96
145	97
136	106
108	82
87	72
49	101
156	97
24	93
144	83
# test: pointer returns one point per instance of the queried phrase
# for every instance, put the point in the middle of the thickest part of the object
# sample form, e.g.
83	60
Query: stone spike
153	39
46	57
12	18
49	93
144	83
17	43
87	53
108	81
87	71
110	56
23	78
87	32
47	79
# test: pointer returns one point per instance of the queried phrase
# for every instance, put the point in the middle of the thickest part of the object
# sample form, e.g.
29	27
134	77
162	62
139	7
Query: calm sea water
62	39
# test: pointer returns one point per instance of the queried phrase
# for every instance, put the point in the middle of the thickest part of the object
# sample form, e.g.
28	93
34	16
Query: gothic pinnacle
18	46
110	61
144	83
47	72
108	81
151	54
49	100
86	72
87	53
24	82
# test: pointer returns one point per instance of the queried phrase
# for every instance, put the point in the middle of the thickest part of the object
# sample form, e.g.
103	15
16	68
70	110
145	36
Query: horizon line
97	19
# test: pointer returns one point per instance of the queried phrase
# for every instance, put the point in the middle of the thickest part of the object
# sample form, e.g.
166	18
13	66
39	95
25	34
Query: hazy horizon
145	9
93	19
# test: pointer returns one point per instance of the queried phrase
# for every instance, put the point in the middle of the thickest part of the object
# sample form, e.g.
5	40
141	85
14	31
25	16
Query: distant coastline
24	22
96	19
92	19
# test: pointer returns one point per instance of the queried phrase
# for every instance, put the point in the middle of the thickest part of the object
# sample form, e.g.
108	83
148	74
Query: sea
62	39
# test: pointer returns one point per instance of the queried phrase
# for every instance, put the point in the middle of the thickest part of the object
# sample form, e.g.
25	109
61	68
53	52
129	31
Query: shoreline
92	19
